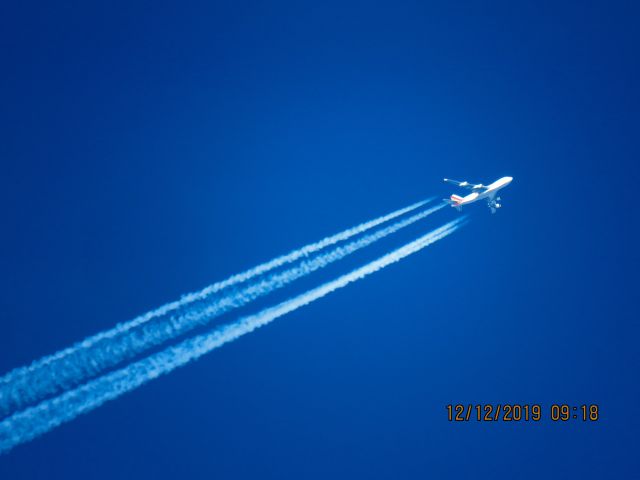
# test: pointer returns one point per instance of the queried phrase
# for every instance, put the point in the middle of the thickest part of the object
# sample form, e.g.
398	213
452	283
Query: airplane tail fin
454	201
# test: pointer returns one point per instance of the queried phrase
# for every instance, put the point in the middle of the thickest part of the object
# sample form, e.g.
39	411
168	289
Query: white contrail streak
34	421
53	376
232	280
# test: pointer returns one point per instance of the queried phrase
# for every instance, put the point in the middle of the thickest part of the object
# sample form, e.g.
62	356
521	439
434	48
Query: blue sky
149	149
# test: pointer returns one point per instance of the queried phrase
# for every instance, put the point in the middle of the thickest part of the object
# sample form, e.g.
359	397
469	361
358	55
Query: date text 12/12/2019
513	412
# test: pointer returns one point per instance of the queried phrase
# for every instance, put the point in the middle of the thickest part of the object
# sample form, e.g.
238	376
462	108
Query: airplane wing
470	186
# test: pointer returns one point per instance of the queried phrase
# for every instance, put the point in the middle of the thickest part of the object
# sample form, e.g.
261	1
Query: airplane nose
509	179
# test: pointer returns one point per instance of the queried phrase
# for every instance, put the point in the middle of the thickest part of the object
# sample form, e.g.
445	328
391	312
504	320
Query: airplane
479	192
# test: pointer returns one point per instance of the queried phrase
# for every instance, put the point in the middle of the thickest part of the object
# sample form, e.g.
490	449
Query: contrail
232	280
53	376
33	422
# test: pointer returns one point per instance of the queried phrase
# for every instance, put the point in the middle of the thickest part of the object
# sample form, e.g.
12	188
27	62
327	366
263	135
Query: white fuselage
489	192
